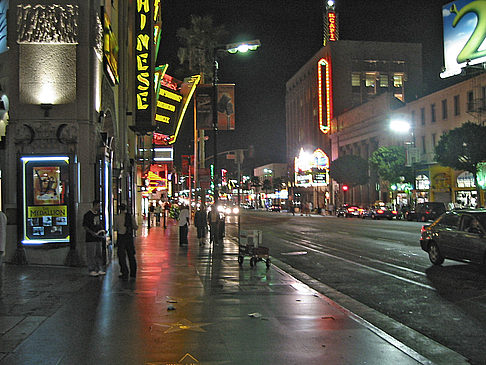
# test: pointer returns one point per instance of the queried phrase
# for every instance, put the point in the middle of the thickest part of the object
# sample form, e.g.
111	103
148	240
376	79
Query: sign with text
46	208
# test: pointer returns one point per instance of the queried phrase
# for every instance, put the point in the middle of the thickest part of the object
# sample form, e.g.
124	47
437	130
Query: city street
377	270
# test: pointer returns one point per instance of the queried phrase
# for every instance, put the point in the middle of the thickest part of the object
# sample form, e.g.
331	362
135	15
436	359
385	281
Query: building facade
67	142
339	77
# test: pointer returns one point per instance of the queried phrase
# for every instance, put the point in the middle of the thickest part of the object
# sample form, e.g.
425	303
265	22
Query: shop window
423	182
465	180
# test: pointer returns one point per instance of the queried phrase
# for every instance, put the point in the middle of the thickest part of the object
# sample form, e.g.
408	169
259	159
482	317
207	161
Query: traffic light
345	188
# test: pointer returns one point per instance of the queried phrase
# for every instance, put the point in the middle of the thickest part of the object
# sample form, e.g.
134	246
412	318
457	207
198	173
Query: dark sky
290	32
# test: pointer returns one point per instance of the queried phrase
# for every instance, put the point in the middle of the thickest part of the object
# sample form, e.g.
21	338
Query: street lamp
232	48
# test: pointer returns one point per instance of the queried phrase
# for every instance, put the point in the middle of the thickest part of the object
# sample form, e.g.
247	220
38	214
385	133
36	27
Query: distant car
348	211
426	211
274	208
456	235
382	212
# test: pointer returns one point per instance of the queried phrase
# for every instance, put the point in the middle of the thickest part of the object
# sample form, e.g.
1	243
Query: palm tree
199	41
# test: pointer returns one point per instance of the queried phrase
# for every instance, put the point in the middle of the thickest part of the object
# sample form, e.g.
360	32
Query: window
432	113
483	97
434	139
398	80
470	101
370	79
413	117
383	80
450	220
457	109
422	116
356	79
424	149
444	109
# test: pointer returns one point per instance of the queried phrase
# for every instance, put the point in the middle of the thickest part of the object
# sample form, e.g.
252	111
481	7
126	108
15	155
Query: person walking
125	226
213	220
201	223
183	225
94	236
158	211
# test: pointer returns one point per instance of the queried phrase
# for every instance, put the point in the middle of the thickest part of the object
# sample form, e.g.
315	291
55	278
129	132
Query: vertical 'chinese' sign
143	65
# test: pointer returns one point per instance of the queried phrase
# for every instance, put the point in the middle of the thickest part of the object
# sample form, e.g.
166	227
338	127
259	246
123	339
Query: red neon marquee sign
331	18
324	83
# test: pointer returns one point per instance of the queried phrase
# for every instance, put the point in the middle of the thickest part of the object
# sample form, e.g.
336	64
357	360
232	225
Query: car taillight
379	211
422	230
350	209
394	211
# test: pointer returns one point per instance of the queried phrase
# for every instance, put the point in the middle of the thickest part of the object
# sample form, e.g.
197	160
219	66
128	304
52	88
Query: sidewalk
223	313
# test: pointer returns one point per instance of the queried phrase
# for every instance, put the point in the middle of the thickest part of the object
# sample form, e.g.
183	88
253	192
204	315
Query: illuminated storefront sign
464	34
45	194
331	19
324	89
110	52
311	169
143	65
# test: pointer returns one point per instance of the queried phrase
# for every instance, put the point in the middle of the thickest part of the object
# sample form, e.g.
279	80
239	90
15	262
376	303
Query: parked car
456	235
426	211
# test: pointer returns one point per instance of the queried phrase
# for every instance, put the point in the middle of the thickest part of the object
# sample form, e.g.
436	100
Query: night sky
291	32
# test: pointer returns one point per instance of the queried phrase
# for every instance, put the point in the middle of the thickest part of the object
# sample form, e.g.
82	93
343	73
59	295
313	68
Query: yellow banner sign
53	211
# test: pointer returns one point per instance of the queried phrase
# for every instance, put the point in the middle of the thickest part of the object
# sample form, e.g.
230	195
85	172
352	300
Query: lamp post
232	48
403	126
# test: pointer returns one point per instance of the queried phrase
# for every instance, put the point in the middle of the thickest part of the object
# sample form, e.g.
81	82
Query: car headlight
220	209
227	210
236	210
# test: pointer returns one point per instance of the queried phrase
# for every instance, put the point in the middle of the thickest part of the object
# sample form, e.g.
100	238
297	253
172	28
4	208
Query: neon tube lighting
324	123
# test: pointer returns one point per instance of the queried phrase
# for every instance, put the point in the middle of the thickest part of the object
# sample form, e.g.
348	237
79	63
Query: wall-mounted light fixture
46	108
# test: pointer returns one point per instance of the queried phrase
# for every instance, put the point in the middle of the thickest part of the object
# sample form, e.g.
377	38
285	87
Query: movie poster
46	185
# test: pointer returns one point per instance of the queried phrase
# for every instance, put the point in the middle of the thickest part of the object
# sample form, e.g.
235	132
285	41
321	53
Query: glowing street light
232	48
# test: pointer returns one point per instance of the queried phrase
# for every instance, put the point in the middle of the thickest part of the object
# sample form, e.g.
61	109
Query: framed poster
45	193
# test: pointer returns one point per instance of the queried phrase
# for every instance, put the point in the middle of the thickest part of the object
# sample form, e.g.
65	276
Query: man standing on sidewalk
201	223
183	225
125	226
94	236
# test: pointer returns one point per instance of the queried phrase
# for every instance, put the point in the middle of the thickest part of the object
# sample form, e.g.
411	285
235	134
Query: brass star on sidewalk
183	324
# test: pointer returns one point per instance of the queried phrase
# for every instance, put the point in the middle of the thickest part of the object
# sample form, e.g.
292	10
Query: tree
350	170
199	41
266	185
277	183
463	148
390	163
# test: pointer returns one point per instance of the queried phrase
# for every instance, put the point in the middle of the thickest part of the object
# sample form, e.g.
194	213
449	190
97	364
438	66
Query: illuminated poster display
311	169
144	74
45	193
464	34
204	107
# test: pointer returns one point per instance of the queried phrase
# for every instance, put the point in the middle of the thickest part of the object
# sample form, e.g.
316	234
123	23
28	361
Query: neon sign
331	18
143	66
324	85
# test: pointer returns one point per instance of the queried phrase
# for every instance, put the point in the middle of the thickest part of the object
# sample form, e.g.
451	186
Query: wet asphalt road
381	265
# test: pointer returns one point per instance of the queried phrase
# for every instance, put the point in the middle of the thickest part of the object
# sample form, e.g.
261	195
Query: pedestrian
292	208
213	220
201	222
183	225
157	210
94	236
125	226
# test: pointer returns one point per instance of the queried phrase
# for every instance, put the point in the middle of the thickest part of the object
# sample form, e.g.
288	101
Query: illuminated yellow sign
53	211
